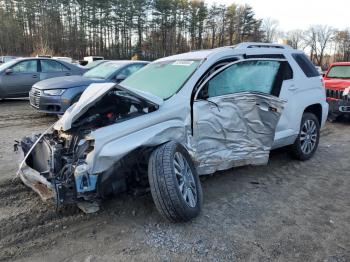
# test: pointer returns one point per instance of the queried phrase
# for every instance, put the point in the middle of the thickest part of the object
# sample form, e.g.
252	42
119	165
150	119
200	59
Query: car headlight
54	92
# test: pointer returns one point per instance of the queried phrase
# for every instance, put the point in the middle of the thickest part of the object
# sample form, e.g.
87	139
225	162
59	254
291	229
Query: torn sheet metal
234	130
117	148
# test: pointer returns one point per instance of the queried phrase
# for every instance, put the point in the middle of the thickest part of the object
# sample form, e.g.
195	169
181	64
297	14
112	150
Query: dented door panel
234	130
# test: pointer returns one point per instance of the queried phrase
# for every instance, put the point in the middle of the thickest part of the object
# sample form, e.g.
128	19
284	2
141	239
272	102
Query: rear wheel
307	141
174	183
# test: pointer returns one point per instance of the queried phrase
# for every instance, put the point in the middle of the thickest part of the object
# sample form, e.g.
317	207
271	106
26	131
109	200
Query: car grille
34	97
337	94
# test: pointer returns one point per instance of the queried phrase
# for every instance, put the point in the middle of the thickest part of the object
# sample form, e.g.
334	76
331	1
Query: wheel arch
315	109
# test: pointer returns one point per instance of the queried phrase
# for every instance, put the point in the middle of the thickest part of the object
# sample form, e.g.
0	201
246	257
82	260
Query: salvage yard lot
286	211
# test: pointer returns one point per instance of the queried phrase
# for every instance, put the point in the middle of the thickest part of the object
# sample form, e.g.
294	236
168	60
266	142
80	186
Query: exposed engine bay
114	107
59	156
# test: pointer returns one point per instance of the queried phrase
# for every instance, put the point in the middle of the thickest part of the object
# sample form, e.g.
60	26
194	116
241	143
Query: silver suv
177	118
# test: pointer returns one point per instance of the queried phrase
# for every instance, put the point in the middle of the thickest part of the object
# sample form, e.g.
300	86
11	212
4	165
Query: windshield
94	63
162	79
339	72
7	64
104	70
8	58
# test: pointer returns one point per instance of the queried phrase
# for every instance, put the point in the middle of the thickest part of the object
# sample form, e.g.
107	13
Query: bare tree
342	45
295	39
270	27
324	36
318	38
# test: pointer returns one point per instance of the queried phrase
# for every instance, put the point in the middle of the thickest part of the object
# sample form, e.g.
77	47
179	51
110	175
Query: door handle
35	76
266	107
67	74
263	106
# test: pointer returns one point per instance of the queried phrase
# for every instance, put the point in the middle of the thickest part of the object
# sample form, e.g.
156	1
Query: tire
307	141
165	182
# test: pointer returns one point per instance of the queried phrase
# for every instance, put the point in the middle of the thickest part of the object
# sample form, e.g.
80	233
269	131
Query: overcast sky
299	14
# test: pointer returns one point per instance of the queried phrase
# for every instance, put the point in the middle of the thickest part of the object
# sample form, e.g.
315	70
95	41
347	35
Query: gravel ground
285	211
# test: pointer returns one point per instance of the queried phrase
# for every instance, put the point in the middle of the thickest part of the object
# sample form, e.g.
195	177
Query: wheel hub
185	179
308	136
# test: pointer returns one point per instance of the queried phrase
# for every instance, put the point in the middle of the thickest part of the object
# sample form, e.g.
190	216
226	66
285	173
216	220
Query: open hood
92	95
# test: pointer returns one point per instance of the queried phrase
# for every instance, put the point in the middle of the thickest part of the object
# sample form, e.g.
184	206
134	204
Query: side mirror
120	78
323	74
8	71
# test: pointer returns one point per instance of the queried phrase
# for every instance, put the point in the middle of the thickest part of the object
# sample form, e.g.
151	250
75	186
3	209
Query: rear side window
48	66
306	65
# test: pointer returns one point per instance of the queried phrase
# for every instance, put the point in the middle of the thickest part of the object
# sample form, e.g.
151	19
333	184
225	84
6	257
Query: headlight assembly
54	92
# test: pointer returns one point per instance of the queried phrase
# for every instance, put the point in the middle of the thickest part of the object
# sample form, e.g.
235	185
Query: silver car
175	119
19	75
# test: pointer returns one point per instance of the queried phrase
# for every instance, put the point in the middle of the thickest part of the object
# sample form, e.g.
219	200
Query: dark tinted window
287	71
306	65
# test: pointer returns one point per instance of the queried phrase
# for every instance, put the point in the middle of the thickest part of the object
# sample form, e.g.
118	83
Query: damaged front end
55	163
55	167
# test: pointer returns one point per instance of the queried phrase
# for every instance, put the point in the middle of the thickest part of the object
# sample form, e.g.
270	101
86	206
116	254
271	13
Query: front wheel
309	136
174	183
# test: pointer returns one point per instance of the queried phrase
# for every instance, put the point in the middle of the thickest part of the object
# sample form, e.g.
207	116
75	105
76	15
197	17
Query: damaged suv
175	119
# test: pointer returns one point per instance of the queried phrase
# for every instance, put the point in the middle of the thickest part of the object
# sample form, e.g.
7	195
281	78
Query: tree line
120	29
149	29
323	43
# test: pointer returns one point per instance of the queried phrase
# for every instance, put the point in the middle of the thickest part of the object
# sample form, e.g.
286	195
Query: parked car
55	95
18	76
94	64
64	58
337	83
179	117
91	59
4	59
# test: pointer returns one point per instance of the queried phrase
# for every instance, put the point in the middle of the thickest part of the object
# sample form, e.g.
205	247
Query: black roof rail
265	46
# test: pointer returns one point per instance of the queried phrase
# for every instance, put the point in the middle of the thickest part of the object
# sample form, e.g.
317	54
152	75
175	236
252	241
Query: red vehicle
337	83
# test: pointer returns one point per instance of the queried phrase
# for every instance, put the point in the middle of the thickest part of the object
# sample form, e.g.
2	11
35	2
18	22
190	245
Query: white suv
179	117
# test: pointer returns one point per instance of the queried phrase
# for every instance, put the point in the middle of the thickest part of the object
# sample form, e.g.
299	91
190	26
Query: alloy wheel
185	179
308	136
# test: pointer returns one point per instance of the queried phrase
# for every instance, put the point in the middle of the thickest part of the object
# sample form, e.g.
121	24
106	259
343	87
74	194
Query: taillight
323	83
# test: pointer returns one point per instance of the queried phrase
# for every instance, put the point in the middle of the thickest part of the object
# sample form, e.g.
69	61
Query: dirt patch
285	211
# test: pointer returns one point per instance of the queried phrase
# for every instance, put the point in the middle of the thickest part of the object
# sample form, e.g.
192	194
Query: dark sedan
57	94
18	76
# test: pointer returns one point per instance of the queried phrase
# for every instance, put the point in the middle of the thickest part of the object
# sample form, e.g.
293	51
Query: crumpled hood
92	95
337	83
65	82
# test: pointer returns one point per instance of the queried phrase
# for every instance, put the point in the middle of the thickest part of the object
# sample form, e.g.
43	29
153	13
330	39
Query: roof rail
261	45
